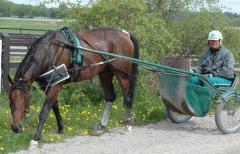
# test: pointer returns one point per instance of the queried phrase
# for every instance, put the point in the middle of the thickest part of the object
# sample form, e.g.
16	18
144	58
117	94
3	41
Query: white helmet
215	35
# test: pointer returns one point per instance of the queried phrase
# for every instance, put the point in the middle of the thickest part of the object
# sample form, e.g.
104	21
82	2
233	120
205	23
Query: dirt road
200	135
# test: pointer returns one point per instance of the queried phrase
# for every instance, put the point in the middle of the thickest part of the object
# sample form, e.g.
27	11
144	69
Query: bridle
23	86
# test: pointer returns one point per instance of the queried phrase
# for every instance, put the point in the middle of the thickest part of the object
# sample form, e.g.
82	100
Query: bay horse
47	52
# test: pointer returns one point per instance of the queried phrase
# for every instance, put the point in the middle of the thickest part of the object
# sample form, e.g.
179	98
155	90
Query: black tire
176	117
230	107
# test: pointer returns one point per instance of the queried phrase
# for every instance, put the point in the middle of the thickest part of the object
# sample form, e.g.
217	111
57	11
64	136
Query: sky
230	5
226	5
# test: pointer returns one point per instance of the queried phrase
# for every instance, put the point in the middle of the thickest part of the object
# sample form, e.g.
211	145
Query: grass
81	105
29	24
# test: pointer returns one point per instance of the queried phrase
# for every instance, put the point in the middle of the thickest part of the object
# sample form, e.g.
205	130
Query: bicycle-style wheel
227	115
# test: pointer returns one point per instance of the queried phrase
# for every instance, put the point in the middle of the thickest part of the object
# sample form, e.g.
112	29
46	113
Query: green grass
26	24
81	105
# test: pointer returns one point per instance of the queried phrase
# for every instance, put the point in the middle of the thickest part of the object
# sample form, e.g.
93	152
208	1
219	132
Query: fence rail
21	30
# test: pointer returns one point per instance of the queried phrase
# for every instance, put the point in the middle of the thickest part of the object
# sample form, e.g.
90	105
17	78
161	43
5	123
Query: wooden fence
13	48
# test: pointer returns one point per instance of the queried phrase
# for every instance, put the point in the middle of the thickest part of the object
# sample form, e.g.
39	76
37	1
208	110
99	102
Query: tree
192	30
232	40
149	27
189	21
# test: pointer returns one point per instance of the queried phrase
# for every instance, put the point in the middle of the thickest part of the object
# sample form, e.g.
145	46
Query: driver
217	63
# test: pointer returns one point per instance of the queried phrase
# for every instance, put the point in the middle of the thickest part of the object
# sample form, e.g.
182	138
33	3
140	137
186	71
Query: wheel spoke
229	115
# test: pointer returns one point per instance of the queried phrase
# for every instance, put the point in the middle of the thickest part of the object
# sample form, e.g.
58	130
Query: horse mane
29	57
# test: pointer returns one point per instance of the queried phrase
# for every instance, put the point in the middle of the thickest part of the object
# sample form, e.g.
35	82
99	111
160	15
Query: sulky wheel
177	117
227	115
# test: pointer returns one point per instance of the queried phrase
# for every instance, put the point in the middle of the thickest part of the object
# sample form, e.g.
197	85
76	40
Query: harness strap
105	58
76	56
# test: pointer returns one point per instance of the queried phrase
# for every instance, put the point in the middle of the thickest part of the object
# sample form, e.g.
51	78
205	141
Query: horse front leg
44	114
58	116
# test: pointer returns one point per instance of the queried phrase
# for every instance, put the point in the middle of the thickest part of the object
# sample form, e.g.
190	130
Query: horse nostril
16	128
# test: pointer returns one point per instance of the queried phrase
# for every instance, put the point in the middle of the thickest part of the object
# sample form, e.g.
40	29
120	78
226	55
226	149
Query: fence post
6	61
1	63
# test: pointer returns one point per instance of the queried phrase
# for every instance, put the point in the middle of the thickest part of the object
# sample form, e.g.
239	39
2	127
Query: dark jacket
220	63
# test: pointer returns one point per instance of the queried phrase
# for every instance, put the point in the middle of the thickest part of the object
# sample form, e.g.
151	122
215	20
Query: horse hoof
128	128
100	129
60	132
33	144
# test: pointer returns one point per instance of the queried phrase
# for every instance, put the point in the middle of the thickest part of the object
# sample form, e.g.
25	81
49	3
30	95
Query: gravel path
199	135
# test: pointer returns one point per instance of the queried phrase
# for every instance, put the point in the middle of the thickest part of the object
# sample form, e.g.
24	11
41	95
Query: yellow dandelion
69	128
38	110
114	107
49	126
85	132
51	115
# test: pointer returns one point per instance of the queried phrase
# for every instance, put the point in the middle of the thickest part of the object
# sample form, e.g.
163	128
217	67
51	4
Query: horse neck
30	68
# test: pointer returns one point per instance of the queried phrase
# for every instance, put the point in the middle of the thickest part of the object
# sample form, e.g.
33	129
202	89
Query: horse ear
11	80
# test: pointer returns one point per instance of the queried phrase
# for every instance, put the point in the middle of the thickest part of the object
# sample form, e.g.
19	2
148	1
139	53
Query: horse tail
134	71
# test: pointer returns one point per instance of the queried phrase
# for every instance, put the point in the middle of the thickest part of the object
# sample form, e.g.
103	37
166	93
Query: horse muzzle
16	128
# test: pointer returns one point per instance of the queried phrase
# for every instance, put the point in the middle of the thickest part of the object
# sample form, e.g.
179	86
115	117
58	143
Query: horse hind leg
58	116
106	82
126	84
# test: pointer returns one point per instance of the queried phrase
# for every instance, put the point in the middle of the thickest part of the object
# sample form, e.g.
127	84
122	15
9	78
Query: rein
66	44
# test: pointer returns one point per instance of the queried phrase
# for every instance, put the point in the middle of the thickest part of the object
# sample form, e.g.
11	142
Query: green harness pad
76	55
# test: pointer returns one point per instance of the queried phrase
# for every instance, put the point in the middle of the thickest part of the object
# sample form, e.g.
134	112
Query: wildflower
115	107
38	110
51	115
85	132
1	148
49	126
69	128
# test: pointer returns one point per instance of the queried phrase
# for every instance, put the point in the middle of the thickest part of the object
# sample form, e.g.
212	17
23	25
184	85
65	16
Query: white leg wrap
106	113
